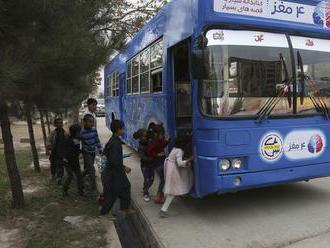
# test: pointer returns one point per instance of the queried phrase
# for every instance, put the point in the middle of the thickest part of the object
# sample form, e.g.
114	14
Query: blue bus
248	79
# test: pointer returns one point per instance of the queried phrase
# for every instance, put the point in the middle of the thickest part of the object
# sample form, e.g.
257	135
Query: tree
50	54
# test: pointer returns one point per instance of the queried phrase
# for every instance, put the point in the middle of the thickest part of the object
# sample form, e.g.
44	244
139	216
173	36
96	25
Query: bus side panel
111	109
140	111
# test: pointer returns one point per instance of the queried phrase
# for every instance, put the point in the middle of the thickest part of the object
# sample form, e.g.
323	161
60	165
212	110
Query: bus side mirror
200	64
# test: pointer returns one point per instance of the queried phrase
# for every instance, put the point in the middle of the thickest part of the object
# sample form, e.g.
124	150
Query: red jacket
156	146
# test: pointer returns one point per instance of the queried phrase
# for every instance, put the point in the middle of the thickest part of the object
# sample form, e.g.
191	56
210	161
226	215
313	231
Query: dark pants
160	173
148	175
56	166
73	167
60	168
159	168
52	166
89	159
115	185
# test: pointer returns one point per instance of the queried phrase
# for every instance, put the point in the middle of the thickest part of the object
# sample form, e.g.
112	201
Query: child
178	174
56	147
91	110
146	162
157	153
90	145
114	178
72	160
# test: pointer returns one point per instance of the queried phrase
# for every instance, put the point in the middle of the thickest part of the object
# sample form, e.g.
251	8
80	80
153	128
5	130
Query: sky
101	88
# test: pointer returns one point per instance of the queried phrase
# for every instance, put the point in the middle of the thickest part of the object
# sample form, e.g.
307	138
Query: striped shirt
90	140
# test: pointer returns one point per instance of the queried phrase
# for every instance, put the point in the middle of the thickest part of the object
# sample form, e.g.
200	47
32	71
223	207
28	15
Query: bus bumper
239	182
208	180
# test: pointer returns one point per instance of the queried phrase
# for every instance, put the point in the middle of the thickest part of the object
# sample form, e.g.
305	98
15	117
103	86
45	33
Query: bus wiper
271	103
318	101
321	105
301	78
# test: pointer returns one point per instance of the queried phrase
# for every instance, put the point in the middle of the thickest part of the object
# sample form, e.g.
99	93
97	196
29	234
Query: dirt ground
48	219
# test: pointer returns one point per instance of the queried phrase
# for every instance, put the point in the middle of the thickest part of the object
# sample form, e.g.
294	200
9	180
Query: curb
146	232
134	230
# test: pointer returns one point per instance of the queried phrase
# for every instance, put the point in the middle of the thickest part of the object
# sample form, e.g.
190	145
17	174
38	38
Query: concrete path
290	216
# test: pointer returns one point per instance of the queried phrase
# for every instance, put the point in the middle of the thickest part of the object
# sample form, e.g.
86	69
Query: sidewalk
294	215
270	217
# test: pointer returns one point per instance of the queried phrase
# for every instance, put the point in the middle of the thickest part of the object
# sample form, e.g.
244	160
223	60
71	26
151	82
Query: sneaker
146	198
163	214
109	216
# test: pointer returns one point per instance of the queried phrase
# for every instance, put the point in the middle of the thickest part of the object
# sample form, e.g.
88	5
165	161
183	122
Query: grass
42	220
23	159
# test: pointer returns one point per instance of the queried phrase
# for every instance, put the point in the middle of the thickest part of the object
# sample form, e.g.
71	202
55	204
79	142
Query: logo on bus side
271	147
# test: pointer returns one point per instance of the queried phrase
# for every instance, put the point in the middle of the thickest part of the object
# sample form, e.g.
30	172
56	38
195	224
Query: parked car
100	109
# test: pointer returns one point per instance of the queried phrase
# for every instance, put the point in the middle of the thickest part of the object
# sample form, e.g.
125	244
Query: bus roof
174	21
179	20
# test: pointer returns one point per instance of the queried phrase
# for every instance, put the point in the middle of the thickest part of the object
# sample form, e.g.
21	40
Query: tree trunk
43	127
13	173
47	121
32	140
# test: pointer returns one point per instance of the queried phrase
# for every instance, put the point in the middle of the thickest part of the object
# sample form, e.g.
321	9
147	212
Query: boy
56	147
91	109
90	145
114	178
72	160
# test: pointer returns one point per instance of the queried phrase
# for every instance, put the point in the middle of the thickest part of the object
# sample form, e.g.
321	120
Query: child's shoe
146	198
163	214
157	199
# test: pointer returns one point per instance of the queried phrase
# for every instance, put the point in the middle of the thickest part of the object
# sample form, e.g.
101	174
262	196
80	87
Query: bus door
183	89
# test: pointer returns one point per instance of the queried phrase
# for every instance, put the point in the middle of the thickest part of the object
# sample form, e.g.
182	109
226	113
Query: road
291	216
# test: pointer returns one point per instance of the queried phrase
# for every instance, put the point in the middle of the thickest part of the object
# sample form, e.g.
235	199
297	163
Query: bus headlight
237	163
224	164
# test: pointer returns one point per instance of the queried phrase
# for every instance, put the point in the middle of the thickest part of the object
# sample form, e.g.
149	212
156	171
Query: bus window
129	78
157	80
135	75
145	71
156	66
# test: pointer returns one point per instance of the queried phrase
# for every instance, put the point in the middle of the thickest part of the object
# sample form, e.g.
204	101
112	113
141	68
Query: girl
146	162
178	174
156	151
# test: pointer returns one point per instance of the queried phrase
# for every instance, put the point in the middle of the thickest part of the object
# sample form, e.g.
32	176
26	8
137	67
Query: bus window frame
160	67
206	28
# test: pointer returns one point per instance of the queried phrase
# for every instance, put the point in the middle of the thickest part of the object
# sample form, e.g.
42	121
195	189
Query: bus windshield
315	56
245	70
